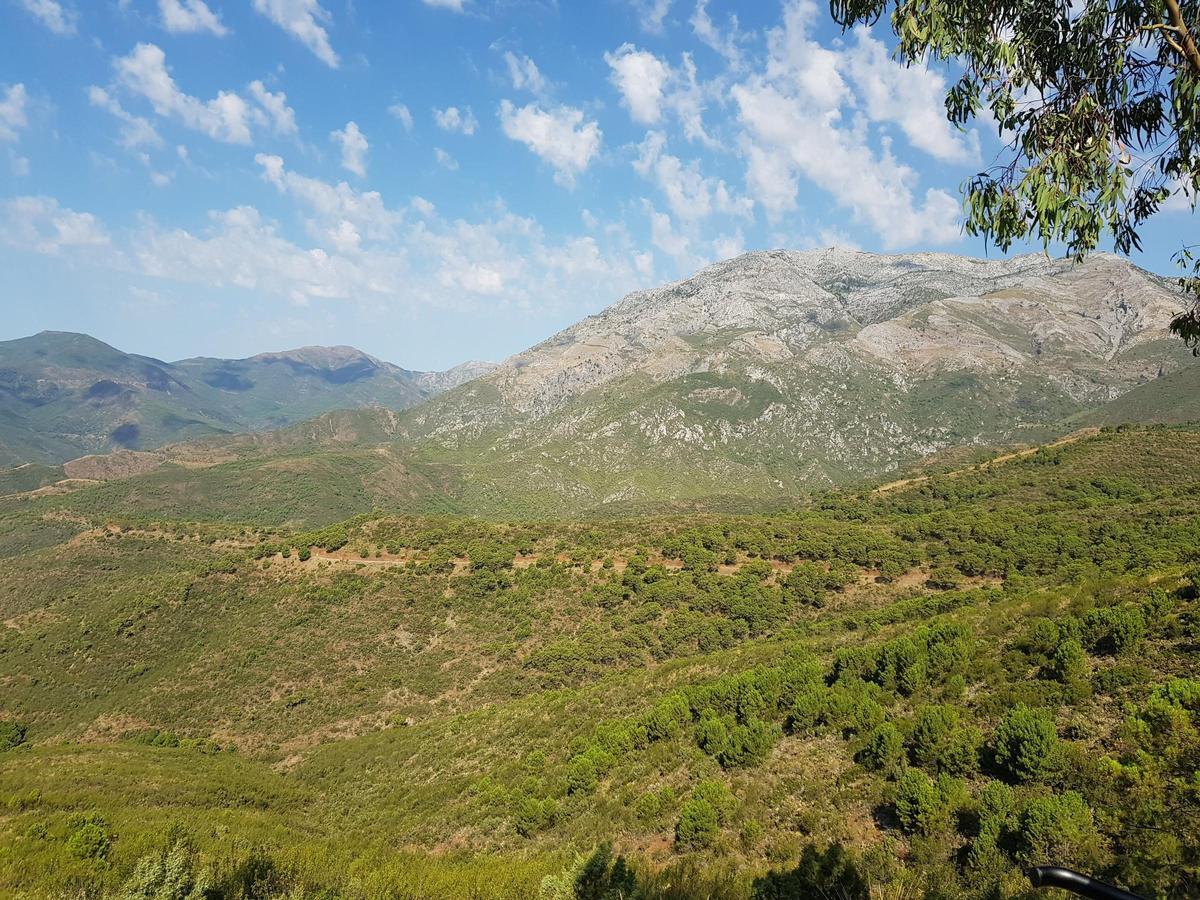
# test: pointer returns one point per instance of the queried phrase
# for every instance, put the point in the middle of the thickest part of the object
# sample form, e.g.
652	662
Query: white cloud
560	136
524	73
362	252
651	14
452	118
135	130
302	19
52	14
224	118
792	118
728	246
281	116
912	97
690	194
39	224
725	43
354	148
400	113
640	76
455	5
670	242
190	17
339	215
445	160
13	116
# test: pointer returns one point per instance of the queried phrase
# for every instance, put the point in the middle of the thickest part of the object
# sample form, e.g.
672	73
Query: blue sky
440	180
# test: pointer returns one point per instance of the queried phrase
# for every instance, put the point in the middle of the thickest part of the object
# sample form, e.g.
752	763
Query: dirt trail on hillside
991	463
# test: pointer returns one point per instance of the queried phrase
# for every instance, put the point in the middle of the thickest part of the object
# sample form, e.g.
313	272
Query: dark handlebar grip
1058	877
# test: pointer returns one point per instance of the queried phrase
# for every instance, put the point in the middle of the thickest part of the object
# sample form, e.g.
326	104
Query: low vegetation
920	690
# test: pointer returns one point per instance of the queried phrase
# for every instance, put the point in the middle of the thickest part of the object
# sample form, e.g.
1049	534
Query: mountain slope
778	372
63	395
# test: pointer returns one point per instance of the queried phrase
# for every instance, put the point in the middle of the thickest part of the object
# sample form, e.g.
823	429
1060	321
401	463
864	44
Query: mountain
752	384
64	395
774	373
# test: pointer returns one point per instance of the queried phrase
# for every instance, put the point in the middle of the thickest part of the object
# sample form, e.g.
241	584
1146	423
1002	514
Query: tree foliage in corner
1099	103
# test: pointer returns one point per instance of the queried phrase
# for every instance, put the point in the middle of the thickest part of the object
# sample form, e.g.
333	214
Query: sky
434	181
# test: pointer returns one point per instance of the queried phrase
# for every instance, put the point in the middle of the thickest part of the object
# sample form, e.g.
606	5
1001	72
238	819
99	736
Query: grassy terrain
301	696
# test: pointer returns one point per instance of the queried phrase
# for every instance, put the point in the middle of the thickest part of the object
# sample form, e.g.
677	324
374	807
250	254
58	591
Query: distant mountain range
757	380
64	395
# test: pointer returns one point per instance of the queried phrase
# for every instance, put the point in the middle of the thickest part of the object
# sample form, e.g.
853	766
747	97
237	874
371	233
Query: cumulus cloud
363	252
452	118
560	136
190	17
445	160
338	214
40	225
13	117
281	117
52	14
792	115
454	5
354	148
641	77
224	118
304	20
911	97
401	114
524	73
690	194
136	131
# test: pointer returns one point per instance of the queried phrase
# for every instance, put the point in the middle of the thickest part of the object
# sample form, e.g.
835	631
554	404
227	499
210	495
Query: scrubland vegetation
917	691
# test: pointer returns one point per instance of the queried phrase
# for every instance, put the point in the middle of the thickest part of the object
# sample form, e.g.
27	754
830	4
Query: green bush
697	827
920	806
1060	830
940	742
12	734
884	749
1026	744
1113	630
90	837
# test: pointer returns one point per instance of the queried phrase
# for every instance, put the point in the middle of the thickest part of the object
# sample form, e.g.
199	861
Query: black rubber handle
1058	877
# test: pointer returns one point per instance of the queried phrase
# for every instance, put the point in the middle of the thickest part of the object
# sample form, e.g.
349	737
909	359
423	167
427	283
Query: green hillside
920	690
64	395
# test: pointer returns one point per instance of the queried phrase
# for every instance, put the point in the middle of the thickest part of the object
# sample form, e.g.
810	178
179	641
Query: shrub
12	734
304	554
90	837
920	806
533	815
1026	744
1070	662
884	749
1059	829
1113	629
582	777
697	826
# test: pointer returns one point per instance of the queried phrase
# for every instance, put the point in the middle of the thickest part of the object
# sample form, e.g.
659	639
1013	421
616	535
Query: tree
1100	103
1059	829
1026	744
884	748
920	806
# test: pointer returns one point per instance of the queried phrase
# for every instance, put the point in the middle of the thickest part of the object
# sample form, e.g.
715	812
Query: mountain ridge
752	384
66	394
